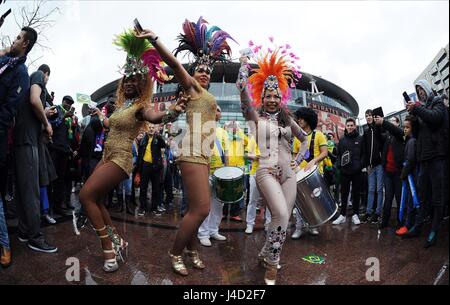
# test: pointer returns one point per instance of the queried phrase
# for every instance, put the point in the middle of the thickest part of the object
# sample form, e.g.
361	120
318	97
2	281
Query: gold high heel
196	261
178	264
111	264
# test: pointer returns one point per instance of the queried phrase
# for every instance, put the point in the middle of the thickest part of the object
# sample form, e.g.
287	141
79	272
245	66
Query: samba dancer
134	94
276	180
207	46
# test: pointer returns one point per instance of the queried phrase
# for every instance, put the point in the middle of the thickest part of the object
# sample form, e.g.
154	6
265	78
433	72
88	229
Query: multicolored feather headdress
207	45
277	70
142	58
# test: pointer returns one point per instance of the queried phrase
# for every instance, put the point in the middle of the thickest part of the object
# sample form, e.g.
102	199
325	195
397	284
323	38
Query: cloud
373	50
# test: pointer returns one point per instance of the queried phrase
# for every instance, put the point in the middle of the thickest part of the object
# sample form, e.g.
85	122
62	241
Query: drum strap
311	147
219	148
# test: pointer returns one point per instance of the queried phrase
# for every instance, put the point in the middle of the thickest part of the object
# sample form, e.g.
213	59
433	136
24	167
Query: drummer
254	195
318	151
236	146
210	226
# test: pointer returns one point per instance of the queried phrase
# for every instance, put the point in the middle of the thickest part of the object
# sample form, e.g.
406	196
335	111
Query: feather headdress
277	70
208	45
142	58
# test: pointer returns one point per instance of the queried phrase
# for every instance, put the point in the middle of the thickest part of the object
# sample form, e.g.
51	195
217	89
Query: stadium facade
332	103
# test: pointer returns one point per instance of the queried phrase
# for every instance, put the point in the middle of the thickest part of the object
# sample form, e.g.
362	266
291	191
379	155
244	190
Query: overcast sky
373	50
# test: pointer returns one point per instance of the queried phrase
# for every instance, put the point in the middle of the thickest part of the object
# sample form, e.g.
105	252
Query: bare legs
196	184
104	178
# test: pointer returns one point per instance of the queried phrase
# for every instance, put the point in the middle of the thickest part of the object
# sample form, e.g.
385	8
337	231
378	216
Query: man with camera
432	154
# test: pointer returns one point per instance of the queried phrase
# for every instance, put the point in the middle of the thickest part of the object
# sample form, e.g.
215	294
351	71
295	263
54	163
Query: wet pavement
348	252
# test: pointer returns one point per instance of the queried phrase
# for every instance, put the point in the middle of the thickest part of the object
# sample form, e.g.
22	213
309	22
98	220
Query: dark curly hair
309	115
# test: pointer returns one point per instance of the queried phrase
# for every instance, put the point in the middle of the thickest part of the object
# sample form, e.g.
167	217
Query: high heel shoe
270	277
262	261
178	264
118	241
110	264
196	261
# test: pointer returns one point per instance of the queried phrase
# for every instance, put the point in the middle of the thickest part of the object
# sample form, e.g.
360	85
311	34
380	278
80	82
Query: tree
40	15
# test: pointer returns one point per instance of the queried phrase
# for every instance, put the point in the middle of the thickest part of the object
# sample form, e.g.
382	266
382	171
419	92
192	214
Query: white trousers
253	202
210	225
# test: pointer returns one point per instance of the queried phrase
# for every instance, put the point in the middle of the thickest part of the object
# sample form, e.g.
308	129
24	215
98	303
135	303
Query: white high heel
109	265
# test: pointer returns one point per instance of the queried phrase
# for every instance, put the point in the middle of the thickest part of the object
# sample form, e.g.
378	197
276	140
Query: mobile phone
72	109
406	97
6	14
378	112
138	25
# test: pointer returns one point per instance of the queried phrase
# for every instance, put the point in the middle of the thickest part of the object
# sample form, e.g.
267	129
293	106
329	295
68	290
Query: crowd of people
126	145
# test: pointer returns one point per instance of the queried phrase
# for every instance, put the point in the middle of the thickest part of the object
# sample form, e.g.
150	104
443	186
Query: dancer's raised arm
248	110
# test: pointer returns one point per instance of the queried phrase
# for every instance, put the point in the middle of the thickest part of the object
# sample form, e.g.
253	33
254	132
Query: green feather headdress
142	58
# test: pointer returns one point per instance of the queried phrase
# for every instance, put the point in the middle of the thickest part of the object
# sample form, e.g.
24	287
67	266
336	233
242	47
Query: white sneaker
49	219
217	236
355	219
205	242
249	229
297	233
313	231
339	220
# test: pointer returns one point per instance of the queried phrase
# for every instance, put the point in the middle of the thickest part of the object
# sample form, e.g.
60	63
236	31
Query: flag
85	99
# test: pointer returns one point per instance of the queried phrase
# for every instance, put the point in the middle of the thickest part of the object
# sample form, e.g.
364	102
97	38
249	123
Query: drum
313	198
228	184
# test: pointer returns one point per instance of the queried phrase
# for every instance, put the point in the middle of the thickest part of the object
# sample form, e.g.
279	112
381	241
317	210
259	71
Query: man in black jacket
149	166
60	150
373	146
392	162
432	151
349	160
91	152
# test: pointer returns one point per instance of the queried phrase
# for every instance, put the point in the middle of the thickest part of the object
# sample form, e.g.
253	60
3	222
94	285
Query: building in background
437	72
332	103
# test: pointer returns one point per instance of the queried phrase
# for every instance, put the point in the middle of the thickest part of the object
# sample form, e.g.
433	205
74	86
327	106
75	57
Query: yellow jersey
216	156
148	151
319	141
253	150
235	147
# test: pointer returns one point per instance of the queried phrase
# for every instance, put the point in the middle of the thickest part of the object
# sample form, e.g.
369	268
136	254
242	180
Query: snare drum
228	184
313	198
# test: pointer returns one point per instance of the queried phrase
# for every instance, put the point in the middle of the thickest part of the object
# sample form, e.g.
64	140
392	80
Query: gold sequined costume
124	128
201	119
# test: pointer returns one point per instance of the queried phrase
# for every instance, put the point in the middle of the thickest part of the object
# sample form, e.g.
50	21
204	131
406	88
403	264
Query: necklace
272	116
129	102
